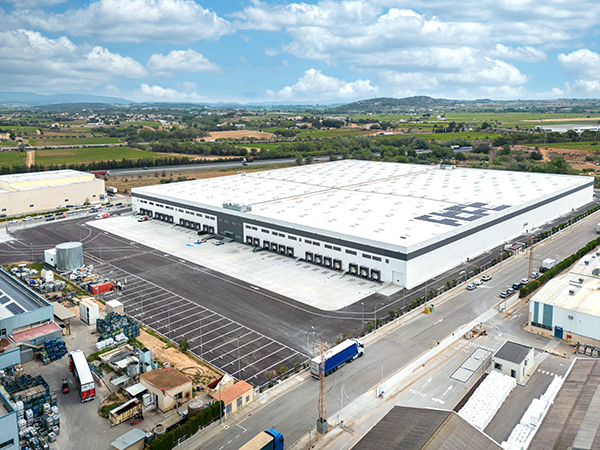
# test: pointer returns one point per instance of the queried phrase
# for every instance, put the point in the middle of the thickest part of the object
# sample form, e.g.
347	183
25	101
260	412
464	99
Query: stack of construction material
487	399
114	324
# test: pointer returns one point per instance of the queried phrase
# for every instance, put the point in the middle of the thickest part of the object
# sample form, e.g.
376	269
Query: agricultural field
316	134
140	124
238	134
468	135
73	141
86	155
12	158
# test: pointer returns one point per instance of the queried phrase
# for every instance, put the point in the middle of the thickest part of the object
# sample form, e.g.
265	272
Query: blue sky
309	52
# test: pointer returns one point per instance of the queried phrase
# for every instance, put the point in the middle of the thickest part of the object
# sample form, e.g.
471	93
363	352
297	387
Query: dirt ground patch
576	158
238	134
30	161
199	372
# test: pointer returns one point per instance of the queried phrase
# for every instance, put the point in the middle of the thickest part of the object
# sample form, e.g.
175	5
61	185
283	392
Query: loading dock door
290	251
249	240
256	242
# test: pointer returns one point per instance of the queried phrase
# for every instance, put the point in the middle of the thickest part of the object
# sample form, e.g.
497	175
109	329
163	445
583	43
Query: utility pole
322	420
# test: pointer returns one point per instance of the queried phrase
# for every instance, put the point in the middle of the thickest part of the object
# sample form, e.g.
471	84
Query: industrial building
26	193
568	306
388	222
25	317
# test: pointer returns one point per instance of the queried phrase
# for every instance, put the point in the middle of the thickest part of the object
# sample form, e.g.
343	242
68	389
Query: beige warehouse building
26	193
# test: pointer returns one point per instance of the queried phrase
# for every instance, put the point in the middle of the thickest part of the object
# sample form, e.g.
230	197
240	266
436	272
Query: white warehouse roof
398	204
578	290
41	176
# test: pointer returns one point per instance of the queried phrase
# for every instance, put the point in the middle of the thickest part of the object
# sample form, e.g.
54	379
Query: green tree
184	345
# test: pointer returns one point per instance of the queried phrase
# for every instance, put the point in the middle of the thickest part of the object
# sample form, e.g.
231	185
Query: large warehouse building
26	193
389	222
568	306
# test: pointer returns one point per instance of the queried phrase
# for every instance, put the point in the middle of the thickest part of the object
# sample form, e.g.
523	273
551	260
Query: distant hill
387	104
15	99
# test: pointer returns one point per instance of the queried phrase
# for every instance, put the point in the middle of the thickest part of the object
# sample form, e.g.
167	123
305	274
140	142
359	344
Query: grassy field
8	144
87	155
315	134
472	135
74	141
12	158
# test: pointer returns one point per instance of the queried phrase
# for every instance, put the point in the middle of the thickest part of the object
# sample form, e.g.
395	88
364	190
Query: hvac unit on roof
581	280
571	291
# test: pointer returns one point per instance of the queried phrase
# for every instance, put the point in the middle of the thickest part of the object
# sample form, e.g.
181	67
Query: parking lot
222	342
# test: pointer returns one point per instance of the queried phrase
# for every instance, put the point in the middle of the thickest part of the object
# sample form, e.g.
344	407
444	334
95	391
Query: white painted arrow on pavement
448	390
438	321
426	383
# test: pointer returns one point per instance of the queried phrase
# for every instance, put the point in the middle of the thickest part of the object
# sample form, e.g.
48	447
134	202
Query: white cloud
582	63
159	93
181	21
527	53
181	61
318	87
30	60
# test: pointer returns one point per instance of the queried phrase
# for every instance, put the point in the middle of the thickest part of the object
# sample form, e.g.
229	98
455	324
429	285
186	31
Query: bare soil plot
197	371
237	134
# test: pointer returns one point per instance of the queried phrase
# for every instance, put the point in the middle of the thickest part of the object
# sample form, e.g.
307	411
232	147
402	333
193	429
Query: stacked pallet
114	324
53	349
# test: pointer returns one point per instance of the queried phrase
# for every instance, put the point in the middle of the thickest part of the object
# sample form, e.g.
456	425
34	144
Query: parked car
535	275
510	291
38	217
48	215
525	281
503	294
471	287
486	277
49	219
14	221
219	243
70	206
477	282
27	219
142	219
516	286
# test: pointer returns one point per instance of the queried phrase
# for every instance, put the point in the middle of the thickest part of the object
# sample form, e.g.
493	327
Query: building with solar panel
388	222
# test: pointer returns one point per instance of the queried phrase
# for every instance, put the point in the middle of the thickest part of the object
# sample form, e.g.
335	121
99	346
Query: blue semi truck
267	440
337	356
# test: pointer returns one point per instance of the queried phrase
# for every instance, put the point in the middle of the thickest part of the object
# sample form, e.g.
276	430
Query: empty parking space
222	342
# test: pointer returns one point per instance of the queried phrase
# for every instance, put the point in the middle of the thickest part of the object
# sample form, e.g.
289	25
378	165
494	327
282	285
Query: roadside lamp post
363	318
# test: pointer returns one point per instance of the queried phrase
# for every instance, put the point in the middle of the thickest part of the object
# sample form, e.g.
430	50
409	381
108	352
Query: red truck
100	172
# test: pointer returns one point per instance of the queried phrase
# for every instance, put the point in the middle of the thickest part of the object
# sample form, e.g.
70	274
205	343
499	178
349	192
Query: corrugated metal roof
136	389
405	428
128	439
565	422
513	352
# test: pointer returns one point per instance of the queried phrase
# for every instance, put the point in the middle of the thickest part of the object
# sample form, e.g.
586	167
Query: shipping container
337	356
267	440
99	288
